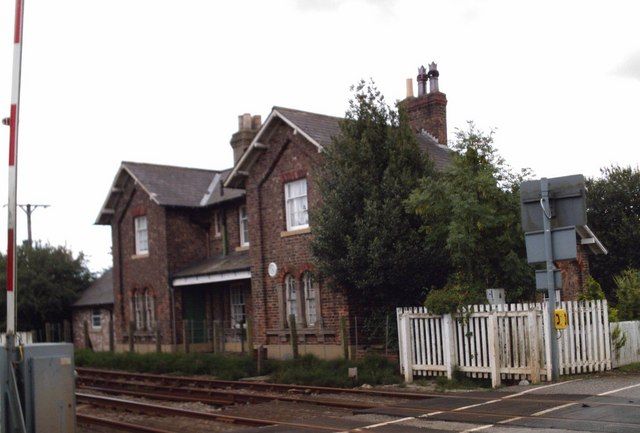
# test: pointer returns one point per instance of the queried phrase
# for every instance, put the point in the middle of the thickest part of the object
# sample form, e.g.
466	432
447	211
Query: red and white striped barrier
13	169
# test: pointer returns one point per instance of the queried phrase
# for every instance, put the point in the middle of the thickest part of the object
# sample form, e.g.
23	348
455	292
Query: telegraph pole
29	209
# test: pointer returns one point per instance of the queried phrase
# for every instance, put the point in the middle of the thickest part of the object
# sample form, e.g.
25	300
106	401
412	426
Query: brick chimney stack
248	127
428	111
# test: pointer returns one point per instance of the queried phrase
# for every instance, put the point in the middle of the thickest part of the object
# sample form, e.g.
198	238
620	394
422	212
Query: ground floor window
291	297
310	298
237	307
96	318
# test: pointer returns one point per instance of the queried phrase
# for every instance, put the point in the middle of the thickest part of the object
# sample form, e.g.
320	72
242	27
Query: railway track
95	373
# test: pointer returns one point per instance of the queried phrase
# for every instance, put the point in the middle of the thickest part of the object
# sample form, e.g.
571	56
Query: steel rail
154	409
224	397
120	425
419	414
407	395
239	384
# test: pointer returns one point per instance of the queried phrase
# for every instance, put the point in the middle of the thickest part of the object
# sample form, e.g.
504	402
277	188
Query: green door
194	314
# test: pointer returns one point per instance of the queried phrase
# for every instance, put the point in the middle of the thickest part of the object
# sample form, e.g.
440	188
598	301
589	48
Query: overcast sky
163	81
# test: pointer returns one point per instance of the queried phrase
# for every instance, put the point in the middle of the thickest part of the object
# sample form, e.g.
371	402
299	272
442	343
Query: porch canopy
235	266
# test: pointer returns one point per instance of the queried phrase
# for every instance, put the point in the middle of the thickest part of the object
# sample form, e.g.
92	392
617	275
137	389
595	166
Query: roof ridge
174	166
276	107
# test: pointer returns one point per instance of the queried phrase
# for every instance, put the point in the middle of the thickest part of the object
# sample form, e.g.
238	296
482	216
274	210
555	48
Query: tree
366	242
613	213
50	279
628	294
473	209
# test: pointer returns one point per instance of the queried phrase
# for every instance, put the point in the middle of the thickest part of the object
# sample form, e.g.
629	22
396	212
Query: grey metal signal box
47	387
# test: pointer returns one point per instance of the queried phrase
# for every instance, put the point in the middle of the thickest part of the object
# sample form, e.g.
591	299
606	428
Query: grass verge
306	370
630	368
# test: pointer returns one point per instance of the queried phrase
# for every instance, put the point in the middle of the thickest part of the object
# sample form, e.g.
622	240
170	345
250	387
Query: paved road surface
609	404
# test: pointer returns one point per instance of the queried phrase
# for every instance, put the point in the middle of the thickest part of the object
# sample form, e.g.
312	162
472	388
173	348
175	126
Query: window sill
140	256
295	232
242	248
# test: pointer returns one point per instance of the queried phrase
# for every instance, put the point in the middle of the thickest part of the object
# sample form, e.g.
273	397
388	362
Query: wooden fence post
132	331
344	337
66	326
185	336
494	349
48	334
111	335
293	332
216	337
449	343
405	322
158	340
242	336
87	340
249	323
534	348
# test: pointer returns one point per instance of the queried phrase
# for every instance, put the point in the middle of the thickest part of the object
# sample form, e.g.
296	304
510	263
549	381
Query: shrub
451	298
593	291
628	293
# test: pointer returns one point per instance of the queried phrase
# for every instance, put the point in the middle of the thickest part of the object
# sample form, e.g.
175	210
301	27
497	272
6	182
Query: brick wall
99	336
428	112
138	272
288	157
575	274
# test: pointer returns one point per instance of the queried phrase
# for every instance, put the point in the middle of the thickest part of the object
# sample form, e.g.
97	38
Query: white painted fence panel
630	352
21	337
508	341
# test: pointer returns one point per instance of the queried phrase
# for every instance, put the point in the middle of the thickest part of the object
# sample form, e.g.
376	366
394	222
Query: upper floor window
295	196
141	235
217	223
244	226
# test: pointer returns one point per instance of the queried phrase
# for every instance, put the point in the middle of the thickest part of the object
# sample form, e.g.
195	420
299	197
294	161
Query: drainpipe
225	244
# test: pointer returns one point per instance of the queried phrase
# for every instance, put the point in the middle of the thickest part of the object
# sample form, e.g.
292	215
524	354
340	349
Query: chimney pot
422	81
409	88
244	122
256	122
433	77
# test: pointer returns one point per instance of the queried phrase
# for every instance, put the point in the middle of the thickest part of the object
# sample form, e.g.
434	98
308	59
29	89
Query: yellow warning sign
561	318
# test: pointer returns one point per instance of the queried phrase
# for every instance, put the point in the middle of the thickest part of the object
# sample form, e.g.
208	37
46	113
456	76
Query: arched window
291	297
310	298
138	309
149	310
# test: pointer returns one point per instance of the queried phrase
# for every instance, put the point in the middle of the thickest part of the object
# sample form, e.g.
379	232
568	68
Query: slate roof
237	261
320	127
438	153
219	194
100	292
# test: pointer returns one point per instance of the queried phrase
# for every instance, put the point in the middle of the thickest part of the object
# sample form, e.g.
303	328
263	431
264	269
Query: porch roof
235	266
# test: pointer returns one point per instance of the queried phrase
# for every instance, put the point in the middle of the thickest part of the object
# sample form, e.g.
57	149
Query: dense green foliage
628	294
450	299
309	370
365	239
593	291
306	370
613	214
50	279
222	366
472	210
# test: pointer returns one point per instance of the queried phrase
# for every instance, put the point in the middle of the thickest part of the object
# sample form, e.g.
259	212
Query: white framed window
217	224
149	310
237	307
244	226
96	318
138	310
310	298
141	235
291	297
295	197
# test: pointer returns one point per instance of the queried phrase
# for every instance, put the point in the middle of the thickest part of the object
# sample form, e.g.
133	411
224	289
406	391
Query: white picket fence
630	352
21	337
502	341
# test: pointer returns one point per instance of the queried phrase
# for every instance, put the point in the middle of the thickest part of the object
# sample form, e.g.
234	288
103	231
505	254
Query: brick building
196	252
92	315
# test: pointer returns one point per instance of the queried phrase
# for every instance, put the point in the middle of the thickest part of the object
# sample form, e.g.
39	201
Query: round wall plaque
273	269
